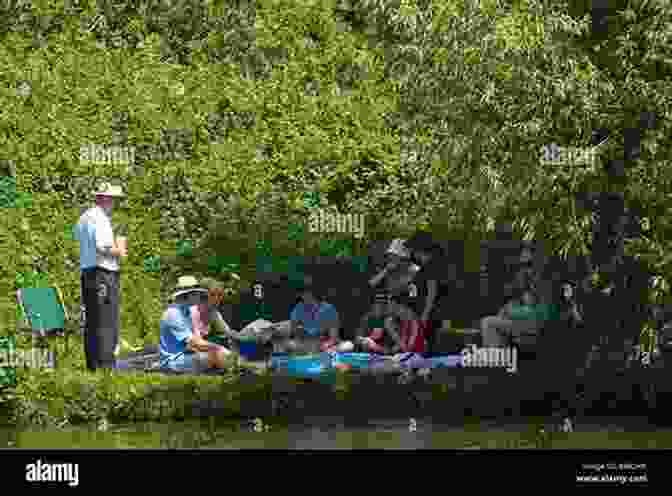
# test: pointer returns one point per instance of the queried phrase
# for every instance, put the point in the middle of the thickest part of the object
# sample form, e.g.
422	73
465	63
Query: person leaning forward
181	348
99	263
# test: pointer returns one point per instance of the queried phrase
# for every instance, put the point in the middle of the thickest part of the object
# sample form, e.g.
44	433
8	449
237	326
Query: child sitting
396	335
384	337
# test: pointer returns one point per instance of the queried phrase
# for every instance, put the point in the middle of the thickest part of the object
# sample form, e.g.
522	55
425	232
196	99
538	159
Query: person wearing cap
396	254
398	275
183	347
99	255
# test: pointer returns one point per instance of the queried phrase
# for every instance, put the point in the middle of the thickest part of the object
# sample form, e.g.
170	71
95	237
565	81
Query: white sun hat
188	284
107	189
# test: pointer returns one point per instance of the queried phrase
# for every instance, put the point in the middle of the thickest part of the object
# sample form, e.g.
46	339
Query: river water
325	433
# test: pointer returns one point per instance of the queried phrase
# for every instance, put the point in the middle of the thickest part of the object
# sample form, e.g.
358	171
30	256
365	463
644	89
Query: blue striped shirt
94	233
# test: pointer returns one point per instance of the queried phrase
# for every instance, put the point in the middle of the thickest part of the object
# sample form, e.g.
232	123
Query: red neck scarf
199	320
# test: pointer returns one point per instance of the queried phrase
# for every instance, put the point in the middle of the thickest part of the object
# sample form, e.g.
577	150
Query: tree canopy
417	114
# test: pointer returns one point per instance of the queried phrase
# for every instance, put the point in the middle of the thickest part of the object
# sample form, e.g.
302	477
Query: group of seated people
314	325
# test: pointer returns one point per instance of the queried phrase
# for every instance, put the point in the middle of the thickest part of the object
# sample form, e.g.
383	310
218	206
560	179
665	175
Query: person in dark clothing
429	289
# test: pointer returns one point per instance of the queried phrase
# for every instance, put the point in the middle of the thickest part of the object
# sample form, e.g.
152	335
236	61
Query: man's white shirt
95	236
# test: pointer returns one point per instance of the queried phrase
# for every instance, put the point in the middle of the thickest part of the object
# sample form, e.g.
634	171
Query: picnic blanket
322	365
315	366
418	361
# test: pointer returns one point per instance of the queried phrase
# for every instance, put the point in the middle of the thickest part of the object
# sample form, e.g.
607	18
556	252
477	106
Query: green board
7	374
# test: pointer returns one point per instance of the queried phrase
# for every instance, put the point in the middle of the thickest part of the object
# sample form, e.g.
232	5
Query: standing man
99	262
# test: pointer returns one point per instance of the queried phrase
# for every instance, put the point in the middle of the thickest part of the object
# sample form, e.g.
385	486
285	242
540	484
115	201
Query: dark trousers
100	297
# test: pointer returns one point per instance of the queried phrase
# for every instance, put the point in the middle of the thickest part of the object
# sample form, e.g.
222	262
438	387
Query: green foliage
7	374
31	280
7	192
55	398
152	264
415	114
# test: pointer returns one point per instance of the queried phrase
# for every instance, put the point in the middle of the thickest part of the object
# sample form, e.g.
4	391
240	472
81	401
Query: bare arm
431	297
113	250
197	343
221	326
375	280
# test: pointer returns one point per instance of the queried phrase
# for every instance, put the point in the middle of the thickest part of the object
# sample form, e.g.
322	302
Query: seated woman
183	349
375	333
524	316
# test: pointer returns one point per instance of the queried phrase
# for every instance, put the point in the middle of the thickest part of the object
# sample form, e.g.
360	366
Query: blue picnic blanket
312	366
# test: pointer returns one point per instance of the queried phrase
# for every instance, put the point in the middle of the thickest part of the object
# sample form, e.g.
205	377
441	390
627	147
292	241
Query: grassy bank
70	394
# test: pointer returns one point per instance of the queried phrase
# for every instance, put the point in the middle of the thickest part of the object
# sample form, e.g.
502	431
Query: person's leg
115	297
490	329
92	318
108	321
520	327
216	357
82	305
191	363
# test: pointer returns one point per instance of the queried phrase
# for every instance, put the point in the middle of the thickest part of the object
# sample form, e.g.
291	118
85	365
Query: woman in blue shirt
181	349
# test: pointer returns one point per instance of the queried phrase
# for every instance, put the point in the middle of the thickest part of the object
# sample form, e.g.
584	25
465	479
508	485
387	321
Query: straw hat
187	284
107	189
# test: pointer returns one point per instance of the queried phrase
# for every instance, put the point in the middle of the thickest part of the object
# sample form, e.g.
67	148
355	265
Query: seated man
373	328
524	316
181	348
315	324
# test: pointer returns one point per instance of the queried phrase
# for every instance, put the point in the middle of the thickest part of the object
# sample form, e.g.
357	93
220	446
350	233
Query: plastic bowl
250	350
354	360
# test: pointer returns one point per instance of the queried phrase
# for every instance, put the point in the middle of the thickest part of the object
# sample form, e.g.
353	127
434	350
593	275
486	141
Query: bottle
327	360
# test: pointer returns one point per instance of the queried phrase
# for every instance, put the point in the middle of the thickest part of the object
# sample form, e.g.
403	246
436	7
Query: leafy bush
415	114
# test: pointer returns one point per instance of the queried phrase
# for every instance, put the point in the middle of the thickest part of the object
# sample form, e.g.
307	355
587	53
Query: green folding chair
44	312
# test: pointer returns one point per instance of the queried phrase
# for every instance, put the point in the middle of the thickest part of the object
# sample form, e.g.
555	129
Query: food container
252	350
